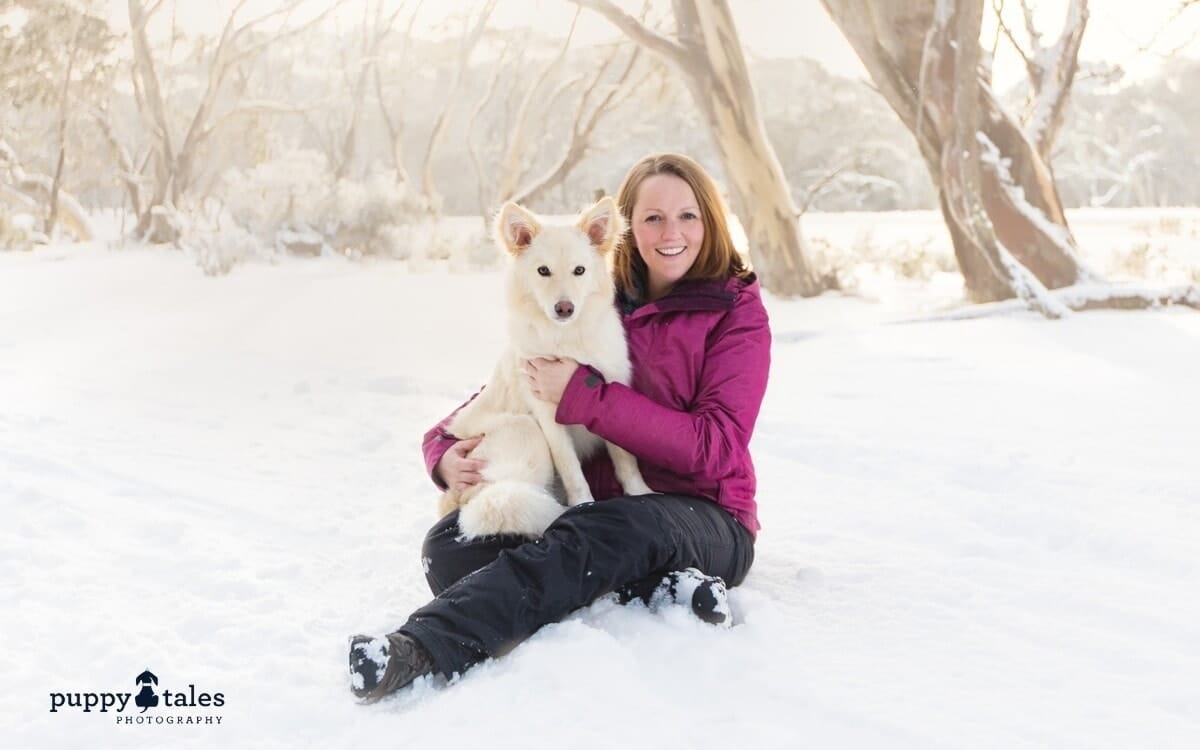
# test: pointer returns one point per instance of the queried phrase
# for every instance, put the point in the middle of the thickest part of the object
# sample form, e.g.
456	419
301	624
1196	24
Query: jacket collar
719	294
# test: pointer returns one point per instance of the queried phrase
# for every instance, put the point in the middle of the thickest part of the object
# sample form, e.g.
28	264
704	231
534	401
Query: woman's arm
436	442
707	439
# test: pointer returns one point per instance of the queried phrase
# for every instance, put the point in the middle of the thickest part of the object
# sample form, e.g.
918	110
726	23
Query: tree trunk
63	114
908	49
164	153
961	162
719	80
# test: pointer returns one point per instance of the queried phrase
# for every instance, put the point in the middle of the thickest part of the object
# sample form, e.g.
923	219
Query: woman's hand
548	378
456	470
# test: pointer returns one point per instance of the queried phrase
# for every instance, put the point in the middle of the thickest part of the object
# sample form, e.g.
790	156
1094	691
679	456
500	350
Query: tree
174	158
708	53
961	164
339	126
909	49
616	73
1051	71
395	121
470	38
57	56
997	194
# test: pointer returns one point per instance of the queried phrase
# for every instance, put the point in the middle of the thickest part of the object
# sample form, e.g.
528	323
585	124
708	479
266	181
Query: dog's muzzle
564	309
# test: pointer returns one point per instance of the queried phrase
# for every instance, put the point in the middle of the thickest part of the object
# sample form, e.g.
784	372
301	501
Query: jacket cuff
582	389
437	442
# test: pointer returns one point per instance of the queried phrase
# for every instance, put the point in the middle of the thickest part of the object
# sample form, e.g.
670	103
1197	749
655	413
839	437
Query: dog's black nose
564	308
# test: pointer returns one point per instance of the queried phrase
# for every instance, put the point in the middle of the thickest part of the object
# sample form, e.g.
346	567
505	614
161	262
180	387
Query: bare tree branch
373	34
247	109
472	148
255	49
1035	36
586	119
512	163
825	181
395	123
1183	7
469	40
1052	78
1002	27
128	174
638	31
63	116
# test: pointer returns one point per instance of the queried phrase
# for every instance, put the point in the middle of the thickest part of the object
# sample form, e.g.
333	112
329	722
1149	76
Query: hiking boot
380	666
706	595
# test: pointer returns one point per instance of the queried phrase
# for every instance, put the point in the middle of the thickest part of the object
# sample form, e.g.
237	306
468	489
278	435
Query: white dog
560	304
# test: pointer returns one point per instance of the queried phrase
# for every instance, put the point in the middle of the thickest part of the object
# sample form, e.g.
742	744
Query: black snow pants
495	592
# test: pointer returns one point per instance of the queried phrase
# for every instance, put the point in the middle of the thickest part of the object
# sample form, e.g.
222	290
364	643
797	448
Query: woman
699	342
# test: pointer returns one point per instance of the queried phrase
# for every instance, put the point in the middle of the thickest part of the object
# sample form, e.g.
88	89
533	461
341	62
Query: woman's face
667	229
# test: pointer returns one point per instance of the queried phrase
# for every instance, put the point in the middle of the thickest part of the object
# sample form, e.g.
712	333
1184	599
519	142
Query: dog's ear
516	228
603	224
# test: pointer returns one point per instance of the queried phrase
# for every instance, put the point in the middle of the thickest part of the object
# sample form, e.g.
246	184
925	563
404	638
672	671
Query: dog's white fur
552	268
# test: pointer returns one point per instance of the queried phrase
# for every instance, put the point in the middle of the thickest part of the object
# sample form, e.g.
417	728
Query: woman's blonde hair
717	258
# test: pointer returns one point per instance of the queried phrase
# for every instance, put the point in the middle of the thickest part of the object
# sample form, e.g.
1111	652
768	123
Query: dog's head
561	268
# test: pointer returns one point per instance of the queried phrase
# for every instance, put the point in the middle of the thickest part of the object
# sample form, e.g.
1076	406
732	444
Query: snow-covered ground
979	533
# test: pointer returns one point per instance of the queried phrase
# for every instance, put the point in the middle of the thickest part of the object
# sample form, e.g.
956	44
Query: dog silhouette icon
146	697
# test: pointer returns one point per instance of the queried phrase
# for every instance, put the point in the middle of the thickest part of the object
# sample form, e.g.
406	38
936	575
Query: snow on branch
1059	235
1078	298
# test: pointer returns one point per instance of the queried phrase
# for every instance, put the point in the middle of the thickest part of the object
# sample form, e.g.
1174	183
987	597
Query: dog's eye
543	271
579	270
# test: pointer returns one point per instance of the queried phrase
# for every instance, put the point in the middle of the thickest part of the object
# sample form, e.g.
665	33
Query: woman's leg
447	557
589	551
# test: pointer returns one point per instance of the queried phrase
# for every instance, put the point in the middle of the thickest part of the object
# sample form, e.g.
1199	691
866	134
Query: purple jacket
700	359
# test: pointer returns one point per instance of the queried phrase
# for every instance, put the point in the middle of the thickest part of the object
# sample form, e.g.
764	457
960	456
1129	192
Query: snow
977	533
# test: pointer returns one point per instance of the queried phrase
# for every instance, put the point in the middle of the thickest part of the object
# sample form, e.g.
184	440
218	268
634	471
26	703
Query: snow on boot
379	666
707	595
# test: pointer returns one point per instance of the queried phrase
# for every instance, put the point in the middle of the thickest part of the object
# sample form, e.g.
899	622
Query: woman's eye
543	271
579	270
650	219
689	216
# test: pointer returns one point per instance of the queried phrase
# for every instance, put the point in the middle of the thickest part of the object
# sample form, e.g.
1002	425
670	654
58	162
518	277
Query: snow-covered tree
473	27
552	93
55	63
912	50
174	153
